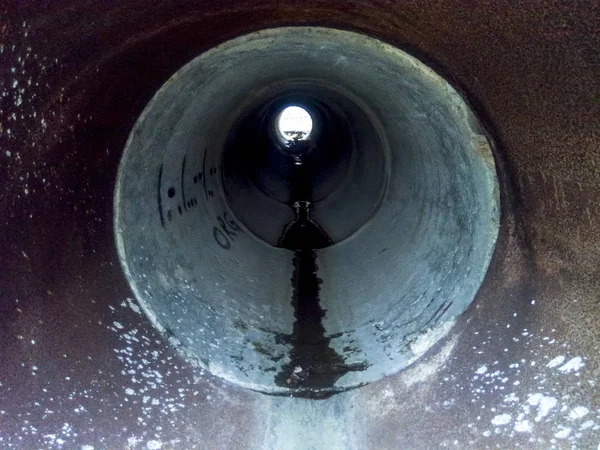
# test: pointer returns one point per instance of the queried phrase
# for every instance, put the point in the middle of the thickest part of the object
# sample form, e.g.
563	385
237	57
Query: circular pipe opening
262	176
294	123
317	264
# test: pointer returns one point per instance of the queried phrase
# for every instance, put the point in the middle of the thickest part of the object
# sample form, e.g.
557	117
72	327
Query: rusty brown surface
531	70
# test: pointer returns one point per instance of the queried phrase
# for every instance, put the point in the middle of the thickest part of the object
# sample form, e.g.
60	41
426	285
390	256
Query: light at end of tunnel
294	123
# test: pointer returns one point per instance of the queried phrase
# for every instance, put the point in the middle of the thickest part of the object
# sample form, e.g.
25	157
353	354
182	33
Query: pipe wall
82	367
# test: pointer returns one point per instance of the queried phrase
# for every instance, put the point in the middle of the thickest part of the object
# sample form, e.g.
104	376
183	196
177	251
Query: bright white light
294	124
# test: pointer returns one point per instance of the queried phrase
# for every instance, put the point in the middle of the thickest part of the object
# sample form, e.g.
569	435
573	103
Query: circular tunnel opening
305	210
294	123
343	157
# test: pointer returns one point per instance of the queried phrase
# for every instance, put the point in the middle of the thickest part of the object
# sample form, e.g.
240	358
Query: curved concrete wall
82	366
413	266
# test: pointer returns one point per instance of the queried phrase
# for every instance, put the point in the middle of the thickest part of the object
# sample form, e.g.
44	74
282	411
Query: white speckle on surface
134	306
563	433
129	391
543	403
587	424
118	325
556	361
87	447
573	365
33	342
153	445
523	426
481	370
578	412
501	419
533	302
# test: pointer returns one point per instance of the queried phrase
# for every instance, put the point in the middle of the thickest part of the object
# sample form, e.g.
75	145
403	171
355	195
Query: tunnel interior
452	149
396	181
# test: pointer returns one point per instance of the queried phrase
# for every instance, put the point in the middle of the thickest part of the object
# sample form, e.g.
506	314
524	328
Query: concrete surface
390	290
81	367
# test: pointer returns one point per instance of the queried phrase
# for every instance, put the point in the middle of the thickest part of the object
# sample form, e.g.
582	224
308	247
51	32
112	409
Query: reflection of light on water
294	123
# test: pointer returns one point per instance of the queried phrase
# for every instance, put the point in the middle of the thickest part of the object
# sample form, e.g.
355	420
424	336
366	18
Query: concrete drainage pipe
412	264
401	179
